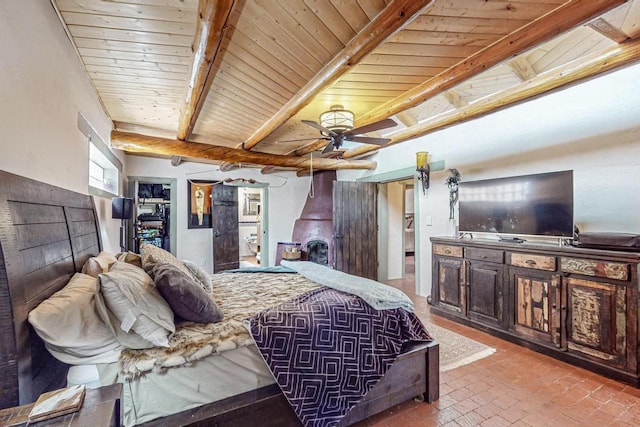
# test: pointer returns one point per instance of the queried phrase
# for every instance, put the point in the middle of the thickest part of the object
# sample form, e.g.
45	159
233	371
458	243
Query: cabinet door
596	319
448	281
485	292
536	303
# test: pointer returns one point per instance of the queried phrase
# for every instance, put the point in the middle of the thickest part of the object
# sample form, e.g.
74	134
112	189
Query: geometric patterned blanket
327	349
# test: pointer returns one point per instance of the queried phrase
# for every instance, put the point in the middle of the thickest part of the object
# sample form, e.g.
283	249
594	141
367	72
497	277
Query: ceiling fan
338	136
336	126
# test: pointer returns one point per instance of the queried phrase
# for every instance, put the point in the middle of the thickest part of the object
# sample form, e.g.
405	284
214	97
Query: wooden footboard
415	374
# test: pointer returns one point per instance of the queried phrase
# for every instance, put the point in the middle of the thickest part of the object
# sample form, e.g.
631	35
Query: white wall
592	128
408	201
43	87
395	246
286	197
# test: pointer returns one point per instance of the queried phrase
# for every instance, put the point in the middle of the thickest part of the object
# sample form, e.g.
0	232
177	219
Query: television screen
540	204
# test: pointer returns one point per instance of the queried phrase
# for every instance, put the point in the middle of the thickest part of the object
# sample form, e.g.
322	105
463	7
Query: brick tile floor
513	387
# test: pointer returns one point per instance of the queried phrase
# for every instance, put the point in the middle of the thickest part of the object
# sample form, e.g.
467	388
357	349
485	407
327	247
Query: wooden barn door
224	217
355	228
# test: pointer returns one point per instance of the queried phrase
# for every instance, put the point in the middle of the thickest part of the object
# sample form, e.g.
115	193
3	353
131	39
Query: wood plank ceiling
230	81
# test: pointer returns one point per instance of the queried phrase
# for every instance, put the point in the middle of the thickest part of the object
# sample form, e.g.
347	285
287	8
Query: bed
48	233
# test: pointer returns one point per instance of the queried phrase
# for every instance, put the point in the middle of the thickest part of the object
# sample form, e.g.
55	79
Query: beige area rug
455	349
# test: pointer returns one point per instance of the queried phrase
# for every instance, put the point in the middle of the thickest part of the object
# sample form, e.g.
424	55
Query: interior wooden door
355	228
224	213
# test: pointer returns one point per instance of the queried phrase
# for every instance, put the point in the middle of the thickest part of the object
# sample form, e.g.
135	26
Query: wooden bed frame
46	235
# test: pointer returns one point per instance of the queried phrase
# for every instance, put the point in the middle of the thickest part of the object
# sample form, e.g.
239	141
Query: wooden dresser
578	305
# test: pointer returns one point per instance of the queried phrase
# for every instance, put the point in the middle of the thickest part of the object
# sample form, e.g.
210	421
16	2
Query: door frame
264	218
385	178
399	175
132	182
386	230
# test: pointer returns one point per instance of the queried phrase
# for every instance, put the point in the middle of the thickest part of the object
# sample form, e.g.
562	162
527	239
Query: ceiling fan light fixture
337	119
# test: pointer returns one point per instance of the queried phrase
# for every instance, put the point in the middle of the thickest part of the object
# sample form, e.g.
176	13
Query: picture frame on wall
199	203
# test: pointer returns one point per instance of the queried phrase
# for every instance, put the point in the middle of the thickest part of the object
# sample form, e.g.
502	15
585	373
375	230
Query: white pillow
201	276
130	257
151	254
70	327
98	264
134	305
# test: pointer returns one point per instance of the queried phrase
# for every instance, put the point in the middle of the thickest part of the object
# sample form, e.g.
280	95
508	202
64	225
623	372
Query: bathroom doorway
251	227
396	236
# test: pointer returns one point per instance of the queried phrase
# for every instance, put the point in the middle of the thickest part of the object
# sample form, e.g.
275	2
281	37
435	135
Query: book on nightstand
56	403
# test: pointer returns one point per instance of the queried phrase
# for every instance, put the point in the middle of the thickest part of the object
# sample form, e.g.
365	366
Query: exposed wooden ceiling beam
618	56
136	143
268	169
455	99
212	24
393	18
522	68
309	148
542	29
608	30
227	166
407	118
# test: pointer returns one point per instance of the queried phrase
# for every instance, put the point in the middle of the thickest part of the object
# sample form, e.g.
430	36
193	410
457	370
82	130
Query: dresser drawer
490	255
446	250
595	268
537	262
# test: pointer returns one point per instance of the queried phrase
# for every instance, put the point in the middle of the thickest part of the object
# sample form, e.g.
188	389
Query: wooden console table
577	305
101	408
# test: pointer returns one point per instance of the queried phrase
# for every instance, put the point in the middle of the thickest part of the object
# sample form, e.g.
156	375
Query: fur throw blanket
239	296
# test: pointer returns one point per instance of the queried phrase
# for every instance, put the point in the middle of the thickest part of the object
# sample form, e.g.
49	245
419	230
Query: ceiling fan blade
369	140
319	127
328	148
382	124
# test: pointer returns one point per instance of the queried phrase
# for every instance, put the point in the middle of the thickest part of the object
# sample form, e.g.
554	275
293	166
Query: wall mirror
251	203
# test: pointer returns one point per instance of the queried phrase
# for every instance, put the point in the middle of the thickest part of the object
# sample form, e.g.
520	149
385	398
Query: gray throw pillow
185	296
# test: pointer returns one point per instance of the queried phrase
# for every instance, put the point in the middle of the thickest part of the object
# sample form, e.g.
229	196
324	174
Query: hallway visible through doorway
249	226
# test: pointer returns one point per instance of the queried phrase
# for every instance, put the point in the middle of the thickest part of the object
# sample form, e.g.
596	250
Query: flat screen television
531	205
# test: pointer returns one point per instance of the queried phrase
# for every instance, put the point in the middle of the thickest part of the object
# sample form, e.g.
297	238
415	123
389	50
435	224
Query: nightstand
101	408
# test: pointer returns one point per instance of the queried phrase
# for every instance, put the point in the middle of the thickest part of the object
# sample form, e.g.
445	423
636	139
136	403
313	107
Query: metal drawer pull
531	262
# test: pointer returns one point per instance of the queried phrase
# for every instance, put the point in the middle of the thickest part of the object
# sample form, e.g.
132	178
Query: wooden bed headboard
46	235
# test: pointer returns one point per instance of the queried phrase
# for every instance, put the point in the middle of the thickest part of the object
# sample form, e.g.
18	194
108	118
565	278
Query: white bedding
213	378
